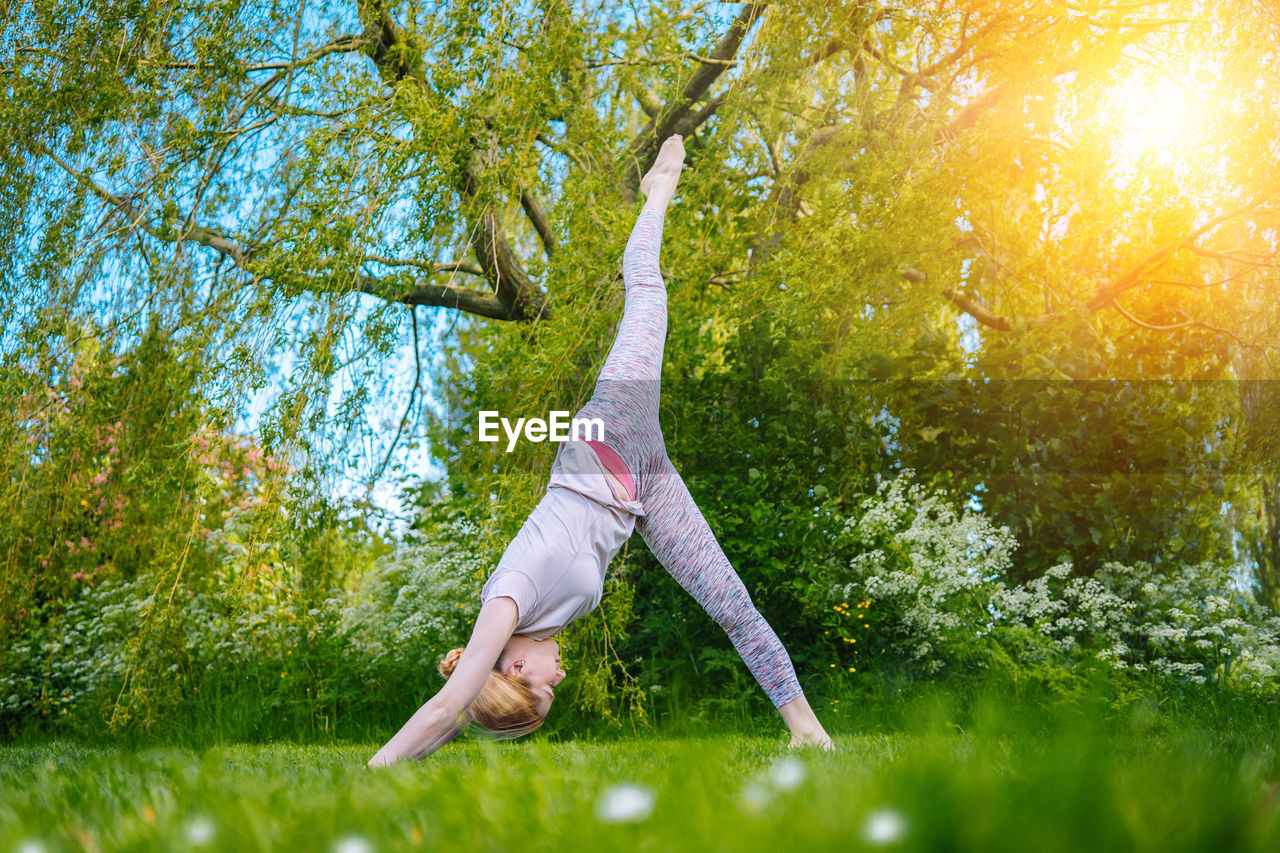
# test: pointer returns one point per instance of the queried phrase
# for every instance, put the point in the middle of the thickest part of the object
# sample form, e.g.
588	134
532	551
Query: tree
970	188
372	151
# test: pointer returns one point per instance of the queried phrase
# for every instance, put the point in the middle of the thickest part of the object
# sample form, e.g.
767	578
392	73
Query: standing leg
681	539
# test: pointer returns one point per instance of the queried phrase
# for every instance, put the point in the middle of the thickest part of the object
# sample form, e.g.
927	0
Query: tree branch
404	419
1190	324
396	59
521	296
434	267
540	224
390	51
978	312
784	198
422	293
1235	256
437	296
647	100
1133	276
969	113
562	149
659	60
200	234
678	117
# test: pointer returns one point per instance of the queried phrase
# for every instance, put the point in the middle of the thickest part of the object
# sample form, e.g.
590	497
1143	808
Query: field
993	777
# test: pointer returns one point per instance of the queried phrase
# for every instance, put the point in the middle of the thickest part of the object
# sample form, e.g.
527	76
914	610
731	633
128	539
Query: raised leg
637	350
629	386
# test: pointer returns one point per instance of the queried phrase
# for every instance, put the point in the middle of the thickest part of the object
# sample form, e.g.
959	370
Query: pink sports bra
614	465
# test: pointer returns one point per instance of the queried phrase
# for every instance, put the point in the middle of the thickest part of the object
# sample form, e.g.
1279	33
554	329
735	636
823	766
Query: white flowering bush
1188	622
417	601
143	644
123	651
279	652
937	580
75	659
930	571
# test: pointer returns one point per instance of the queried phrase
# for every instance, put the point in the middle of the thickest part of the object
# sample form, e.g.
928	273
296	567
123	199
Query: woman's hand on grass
444	716
429	729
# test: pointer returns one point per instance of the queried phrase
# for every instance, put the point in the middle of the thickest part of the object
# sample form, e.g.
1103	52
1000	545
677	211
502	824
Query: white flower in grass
31	845
754	797
626	803
199	830
353	844
787	773
885	826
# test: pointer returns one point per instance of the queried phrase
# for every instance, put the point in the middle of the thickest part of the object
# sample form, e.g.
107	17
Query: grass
992	778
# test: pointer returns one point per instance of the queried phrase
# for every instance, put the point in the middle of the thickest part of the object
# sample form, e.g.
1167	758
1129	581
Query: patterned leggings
626	399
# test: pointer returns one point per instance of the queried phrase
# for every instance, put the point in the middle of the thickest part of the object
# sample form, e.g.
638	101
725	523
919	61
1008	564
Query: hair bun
450	662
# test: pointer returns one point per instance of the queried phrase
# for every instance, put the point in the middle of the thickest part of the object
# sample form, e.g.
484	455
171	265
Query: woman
553	571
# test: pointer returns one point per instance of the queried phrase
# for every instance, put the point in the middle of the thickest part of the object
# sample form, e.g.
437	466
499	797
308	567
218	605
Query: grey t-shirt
554	568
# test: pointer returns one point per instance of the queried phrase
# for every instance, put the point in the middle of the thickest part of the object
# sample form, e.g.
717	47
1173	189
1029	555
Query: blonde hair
505	706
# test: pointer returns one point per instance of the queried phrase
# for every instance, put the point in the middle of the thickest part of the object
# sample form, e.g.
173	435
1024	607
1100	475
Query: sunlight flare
1160	118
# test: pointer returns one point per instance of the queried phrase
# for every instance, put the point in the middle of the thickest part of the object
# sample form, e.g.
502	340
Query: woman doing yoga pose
553	571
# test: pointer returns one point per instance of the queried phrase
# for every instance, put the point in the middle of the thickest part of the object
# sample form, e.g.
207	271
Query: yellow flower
833	666
853	669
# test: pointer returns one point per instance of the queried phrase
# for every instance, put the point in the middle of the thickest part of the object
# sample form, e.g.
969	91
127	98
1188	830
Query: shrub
937	579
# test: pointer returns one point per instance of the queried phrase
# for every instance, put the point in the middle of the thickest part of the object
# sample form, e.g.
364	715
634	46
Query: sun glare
1154	121
1157	117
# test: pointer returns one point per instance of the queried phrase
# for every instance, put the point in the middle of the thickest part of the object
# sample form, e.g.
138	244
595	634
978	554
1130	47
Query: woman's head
517	694
536	664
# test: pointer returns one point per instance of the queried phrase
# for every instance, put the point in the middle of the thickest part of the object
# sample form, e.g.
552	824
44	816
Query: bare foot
818	739
660	181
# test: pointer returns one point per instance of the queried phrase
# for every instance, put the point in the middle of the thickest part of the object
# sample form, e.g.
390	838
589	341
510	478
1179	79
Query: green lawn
1145	785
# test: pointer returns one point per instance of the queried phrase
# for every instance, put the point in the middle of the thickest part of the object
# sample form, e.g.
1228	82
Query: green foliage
605	687
906	238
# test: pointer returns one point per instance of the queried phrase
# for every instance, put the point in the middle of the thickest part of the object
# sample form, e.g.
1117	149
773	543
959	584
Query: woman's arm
444	716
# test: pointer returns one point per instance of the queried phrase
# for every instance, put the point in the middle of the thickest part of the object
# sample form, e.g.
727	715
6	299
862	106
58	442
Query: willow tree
1051	189
441	156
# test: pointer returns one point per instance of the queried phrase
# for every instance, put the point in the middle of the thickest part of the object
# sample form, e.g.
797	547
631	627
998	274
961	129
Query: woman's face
537	664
